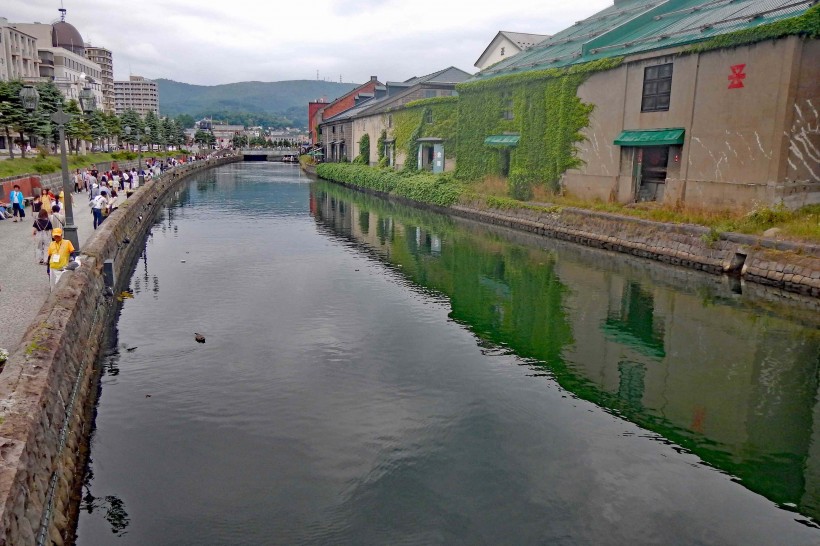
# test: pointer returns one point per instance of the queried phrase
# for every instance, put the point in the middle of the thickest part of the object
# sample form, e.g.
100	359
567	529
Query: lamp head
88	102
29	97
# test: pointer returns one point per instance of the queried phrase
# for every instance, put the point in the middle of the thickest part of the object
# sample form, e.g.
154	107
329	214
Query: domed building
65	35
63	59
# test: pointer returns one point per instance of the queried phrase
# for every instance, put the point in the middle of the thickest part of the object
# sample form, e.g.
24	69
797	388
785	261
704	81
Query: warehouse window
657	88
507	105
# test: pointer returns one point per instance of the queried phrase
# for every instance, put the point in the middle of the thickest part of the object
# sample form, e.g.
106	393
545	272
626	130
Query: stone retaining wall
52	375
791	266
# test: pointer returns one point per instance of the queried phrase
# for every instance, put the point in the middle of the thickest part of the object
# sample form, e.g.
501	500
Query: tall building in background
137	94
103	57
18	54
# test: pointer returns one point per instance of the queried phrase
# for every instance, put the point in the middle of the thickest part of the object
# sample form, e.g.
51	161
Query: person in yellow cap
59	252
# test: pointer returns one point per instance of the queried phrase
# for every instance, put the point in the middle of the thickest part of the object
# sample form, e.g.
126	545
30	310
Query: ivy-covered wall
411	123
546	113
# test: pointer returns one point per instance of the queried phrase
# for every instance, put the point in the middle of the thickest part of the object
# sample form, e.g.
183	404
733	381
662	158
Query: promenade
23	281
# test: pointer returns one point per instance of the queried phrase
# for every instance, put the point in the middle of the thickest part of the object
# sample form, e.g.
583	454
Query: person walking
97	204
42	236
45	199
18	203
57	217
59	252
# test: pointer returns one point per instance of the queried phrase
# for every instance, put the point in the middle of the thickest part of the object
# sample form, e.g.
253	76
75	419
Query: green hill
286	99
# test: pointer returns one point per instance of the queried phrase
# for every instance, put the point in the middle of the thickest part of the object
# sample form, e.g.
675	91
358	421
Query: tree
181	139
185	121
204	138
153	129
12	113
51	100
169	132
238	140
97	123
113	127
77	128
130	118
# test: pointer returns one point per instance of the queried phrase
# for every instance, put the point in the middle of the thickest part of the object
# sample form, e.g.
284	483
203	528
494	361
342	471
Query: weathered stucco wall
49	378
755	144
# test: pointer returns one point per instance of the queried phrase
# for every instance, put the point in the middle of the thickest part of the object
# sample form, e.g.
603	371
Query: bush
520	186
46	165
436	189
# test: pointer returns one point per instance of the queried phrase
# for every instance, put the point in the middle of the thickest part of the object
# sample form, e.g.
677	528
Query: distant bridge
285	154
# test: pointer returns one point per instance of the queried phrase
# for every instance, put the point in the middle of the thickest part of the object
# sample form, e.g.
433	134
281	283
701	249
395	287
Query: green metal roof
502	140
650	137
635	26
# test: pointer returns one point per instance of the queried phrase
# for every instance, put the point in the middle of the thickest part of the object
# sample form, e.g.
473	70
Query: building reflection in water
725	376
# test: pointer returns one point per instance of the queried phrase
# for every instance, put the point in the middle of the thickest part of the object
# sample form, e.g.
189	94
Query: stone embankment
49	381
790	266
794	267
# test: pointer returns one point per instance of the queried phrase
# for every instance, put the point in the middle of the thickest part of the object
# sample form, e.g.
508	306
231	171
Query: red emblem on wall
737	76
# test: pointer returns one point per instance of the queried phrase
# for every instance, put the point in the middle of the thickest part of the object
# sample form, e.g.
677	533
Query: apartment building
18	54
138	94
104	58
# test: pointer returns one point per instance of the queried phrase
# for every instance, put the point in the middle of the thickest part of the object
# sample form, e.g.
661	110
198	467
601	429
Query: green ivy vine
547	114
411	123
807	24
382	161
364	150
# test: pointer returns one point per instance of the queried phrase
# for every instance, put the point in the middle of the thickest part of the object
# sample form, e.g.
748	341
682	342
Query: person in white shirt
97	204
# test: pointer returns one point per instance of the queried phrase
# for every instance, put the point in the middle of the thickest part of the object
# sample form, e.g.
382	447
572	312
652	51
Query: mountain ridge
287	98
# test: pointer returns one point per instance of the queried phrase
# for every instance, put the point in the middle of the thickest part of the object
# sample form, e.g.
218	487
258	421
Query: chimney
374	78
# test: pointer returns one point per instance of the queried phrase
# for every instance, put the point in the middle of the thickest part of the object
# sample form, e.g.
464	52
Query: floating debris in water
199	338
125	295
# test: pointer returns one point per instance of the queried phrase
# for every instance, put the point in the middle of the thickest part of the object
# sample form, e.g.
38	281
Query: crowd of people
104	190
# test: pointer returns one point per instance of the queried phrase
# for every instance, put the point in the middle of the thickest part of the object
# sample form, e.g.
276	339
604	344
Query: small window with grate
507	105
657	88
428	116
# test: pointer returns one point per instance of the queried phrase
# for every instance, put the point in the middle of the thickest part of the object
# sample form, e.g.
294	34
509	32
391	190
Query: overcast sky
211	42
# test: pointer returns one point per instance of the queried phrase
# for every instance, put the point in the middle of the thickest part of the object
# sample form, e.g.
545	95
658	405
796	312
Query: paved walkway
23	281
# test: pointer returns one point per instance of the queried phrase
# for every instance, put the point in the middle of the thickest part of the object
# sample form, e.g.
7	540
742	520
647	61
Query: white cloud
211	42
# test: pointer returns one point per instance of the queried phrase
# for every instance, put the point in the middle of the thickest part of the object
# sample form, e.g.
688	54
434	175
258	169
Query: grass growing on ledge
802	224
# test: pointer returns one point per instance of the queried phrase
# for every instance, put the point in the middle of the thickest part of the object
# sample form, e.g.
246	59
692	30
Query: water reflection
732	378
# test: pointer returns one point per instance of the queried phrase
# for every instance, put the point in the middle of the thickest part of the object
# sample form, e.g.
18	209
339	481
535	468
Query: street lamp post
147	134
88	102
29	97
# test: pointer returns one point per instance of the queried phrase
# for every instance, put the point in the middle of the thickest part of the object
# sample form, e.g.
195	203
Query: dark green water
375	374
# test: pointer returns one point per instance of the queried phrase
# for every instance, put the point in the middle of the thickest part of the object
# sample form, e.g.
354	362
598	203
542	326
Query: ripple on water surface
374	374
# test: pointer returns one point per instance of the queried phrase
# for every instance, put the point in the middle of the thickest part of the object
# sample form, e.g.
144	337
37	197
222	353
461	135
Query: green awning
502	140
650	137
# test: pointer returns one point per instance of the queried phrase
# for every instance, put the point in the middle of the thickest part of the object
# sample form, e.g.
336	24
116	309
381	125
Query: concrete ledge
790	266
50	378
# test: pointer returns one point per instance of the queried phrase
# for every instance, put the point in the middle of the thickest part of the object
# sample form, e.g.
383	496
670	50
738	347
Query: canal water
377	374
